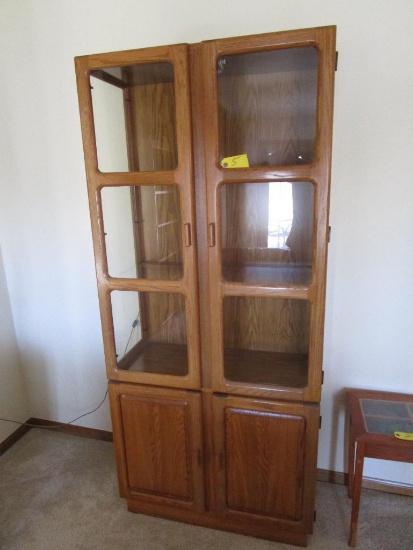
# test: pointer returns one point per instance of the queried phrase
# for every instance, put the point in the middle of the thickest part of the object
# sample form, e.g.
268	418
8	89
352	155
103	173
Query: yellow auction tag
239	161
403	435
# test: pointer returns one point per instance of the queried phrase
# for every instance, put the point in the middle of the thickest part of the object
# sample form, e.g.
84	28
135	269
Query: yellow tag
239	161
403	435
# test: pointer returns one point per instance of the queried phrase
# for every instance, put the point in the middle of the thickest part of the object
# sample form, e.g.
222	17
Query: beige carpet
59	492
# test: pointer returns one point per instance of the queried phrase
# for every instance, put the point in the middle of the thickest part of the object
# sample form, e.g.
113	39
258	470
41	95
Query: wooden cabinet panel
156	447
158	442
263	448
265	460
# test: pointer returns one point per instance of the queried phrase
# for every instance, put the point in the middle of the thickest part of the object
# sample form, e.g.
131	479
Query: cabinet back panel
153	123
266	324
268	105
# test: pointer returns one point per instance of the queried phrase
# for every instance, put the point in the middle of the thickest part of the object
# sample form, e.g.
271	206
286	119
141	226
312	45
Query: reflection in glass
266	340
267	232
150	332
135	117
268	106
143	232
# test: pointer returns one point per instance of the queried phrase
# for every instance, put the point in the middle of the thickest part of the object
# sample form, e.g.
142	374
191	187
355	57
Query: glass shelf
268	275
267	368
157	358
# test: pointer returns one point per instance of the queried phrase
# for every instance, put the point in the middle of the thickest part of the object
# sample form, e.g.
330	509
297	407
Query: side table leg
358	478
351	451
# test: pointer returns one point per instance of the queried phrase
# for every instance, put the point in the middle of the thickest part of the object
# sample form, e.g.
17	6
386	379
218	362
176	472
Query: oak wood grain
158	442
246	464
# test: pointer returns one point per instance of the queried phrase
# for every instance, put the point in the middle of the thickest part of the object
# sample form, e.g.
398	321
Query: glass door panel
266	340
134	113
267	232
268	106
143	231
150	332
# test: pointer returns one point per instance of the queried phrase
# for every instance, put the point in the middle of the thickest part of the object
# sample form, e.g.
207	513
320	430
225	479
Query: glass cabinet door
138	151
267	149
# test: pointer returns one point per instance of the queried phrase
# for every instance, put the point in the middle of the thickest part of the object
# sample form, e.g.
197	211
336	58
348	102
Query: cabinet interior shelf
157	358
244	366
268	274
279	274
266	367
164	271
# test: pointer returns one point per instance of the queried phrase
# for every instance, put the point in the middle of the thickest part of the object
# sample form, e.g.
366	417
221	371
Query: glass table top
387	417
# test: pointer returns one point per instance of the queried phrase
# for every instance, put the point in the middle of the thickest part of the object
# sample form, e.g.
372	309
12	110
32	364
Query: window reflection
267	232
280	214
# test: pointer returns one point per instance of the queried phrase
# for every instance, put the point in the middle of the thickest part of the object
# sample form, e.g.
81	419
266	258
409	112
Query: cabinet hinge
336	61
329	233
322	377
321	421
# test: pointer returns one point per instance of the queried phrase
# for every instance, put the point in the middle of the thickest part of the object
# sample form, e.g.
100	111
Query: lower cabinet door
265	461
158	441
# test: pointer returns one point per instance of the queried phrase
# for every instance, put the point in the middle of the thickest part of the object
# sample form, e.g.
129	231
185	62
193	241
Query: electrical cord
135	323
61	424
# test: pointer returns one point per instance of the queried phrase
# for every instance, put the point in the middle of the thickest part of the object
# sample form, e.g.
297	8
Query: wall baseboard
13	438
71	429
57	427
368	482
322	475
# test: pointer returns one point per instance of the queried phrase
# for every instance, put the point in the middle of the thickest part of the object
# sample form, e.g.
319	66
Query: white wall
13	397
44	225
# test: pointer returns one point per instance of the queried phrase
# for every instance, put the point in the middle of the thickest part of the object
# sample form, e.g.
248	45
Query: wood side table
374	417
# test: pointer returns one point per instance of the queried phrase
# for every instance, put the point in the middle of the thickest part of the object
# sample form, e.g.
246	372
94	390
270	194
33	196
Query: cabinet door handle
187	232
211	234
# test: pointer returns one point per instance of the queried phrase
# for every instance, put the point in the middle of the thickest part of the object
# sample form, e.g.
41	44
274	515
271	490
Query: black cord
134	324
60	424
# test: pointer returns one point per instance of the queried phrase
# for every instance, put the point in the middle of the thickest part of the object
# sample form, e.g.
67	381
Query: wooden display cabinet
211	275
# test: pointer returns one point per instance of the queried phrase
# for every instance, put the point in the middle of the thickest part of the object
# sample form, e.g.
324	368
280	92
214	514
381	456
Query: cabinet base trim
205	519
